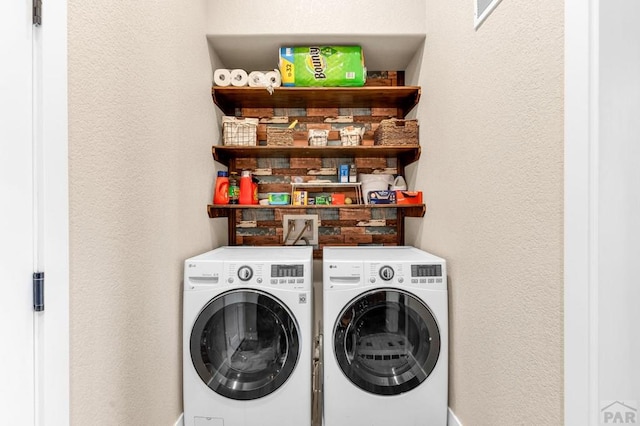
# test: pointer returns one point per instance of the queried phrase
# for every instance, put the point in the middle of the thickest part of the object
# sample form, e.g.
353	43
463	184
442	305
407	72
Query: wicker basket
277	136
351	136
239	131
318	137
396	132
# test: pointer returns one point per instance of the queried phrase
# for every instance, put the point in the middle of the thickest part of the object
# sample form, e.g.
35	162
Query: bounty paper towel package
308	66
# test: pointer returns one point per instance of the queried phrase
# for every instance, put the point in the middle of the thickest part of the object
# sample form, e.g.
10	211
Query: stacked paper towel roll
274	78
224	77
257	79
239	77
265	79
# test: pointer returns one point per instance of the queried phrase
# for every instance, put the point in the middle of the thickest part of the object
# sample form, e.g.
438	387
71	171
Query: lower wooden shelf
408	210
341	224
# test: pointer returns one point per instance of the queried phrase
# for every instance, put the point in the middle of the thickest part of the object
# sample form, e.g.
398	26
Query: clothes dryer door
386	341
245	344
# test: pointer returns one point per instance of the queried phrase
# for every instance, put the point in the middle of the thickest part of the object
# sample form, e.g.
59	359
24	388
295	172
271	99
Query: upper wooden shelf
406	153
404	98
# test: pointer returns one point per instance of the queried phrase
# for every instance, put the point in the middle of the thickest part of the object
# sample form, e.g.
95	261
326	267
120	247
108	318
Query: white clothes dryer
385	337
247	337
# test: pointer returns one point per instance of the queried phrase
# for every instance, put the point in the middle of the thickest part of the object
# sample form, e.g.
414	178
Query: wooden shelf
397	101
404	98
406	154
409	210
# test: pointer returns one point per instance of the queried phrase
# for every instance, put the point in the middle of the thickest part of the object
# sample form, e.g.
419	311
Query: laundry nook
302	213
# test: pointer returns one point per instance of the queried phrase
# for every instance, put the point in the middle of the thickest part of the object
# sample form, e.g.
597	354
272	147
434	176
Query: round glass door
386	341
245	344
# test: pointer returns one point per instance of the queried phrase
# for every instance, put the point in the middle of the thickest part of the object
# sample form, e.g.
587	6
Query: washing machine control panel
245	273
285	271
291	275
386	273
287	274
426	274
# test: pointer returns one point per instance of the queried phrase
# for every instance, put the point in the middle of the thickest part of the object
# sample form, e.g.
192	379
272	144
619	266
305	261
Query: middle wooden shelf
406	154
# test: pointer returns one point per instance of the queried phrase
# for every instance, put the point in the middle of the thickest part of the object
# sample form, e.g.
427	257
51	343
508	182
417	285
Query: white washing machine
247	337
385	337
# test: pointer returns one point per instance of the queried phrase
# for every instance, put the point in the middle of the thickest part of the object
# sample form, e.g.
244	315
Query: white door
17	395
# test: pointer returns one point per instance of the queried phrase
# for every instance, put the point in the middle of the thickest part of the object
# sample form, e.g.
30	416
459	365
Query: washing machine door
245	344
386	341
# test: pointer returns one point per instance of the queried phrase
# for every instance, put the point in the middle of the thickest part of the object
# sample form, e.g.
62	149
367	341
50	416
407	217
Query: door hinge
37	12
38	291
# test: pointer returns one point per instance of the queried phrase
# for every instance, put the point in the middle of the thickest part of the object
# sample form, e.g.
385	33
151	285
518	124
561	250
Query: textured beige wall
492	135
141	126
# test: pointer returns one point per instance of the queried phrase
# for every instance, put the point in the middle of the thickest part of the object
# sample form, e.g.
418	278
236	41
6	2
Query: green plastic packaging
332	66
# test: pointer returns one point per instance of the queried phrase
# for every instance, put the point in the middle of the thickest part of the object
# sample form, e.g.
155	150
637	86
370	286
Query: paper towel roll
257	79
222	77
274	79
239	77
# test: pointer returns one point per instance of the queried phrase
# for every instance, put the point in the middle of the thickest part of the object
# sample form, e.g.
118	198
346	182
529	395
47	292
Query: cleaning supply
234	189
246	188
353	173
374	182
254	189
399	184
279	198
221	192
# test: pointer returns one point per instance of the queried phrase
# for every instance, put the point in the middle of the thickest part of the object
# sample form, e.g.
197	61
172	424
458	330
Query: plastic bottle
399	184
234	189
221	192
254	188
353	173
246	188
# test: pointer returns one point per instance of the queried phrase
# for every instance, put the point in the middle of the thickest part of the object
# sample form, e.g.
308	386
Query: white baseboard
180	421
452	420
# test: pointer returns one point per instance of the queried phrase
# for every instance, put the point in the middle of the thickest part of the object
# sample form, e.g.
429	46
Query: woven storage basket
351	136
396	132
239	131
318	137
277	136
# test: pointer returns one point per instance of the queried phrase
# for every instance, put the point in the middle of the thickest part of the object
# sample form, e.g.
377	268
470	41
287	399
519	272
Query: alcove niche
338	225
260	52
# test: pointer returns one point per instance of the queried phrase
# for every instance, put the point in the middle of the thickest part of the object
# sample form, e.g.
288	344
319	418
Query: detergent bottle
221	192
246	188
254	188
234	189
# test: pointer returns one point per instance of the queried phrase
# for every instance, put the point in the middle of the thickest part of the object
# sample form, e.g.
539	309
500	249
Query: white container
374	182
399	184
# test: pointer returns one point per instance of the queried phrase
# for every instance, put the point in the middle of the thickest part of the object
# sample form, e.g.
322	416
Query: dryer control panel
404	273
385	273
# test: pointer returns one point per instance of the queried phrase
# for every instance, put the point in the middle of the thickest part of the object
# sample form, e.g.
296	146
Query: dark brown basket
396	132
277	136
